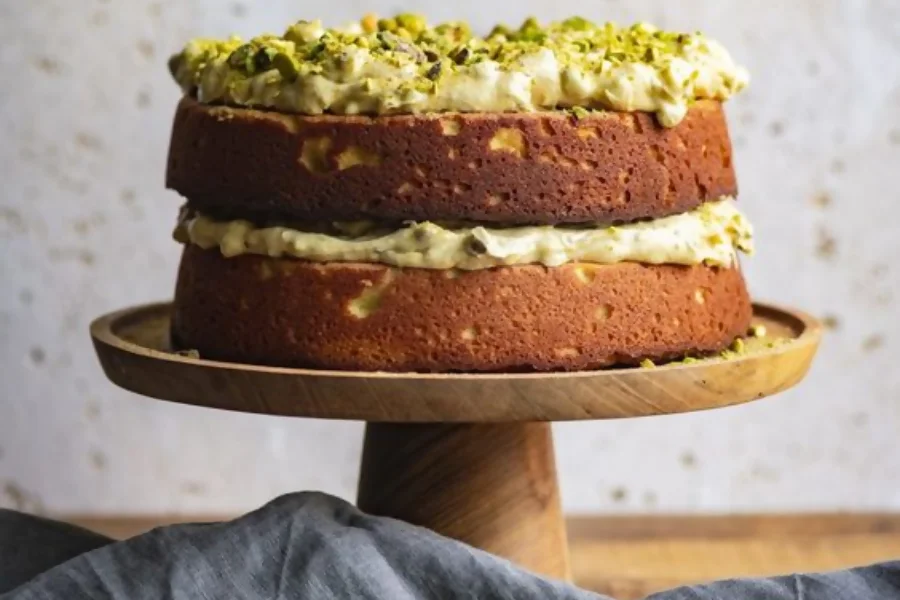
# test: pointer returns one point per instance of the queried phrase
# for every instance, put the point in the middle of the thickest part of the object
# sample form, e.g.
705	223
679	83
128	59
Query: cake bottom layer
369	317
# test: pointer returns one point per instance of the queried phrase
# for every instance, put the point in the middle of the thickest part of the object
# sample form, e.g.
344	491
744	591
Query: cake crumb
757	331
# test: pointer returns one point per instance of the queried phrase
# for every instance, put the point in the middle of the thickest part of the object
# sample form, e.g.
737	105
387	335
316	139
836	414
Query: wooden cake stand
467	455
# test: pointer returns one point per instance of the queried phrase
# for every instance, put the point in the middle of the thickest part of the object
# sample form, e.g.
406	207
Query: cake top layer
403	65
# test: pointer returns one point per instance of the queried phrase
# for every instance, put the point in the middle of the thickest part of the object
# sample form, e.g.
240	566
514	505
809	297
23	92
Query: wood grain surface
631	557
492	486
134	351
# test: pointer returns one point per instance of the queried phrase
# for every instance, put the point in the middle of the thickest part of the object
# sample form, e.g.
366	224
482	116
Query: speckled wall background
85	107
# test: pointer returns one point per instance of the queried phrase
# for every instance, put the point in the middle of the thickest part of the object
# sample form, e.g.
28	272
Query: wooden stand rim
132	345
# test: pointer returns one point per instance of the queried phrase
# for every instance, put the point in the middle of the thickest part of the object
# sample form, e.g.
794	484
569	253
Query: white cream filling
711	234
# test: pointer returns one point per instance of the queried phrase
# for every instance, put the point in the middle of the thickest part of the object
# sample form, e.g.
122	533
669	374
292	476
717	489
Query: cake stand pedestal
469	456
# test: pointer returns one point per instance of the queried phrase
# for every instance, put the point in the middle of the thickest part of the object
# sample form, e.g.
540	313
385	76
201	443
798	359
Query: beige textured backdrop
85	105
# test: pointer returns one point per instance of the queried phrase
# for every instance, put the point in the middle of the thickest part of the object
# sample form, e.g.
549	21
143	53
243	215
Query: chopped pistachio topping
403	65
757	339
711	234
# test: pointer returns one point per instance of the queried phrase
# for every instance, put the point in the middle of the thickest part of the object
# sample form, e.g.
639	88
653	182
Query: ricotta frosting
401	65
711	234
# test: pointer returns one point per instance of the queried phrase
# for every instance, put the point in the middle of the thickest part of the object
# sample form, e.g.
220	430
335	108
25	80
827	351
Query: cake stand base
491	486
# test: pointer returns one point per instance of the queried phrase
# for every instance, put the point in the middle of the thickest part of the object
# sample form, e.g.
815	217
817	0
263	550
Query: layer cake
395	196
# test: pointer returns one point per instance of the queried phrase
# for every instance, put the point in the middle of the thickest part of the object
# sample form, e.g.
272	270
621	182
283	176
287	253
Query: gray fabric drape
312	546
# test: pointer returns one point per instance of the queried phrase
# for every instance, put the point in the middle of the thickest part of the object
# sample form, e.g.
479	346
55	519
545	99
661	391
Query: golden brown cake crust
370	317
510	168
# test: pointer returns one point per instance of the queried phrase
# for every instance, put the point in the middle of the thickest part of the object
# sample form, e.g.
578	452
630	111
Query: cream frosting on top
402	65
711	234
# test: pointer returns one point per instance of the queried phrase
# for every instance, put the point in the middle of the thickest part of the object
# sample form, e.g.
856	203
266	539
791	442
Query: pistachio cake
395	196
